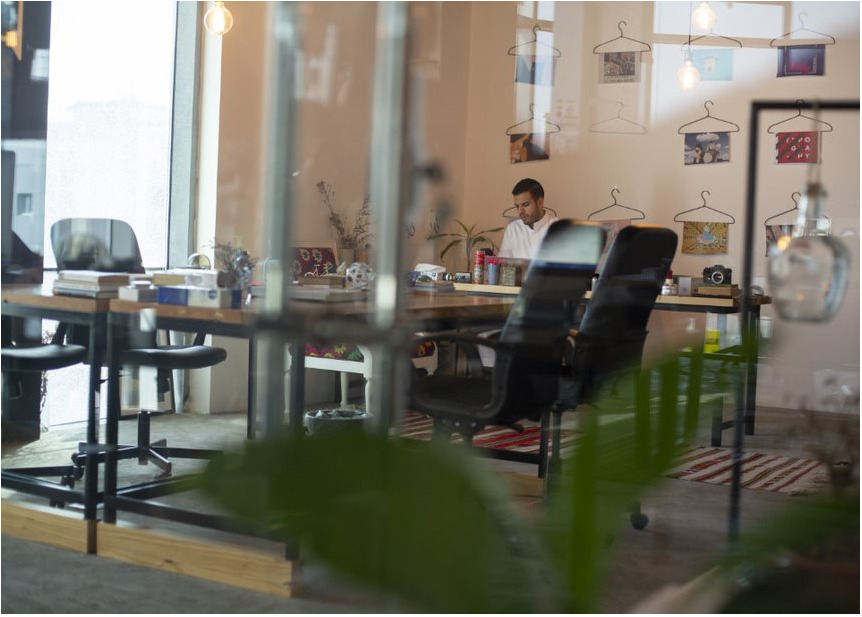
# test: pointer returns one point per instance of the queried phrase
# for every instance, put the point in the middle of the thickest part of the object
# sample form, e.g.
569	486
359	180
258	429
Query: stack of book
719	291
89	283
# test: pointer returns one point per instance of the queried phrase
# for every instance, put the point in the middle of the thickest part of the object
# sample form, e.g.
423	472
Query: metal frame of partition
27	480
749	335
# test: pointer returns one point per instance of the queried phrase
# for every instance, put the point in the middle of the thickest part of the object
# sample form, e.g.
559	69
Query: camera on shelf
716	275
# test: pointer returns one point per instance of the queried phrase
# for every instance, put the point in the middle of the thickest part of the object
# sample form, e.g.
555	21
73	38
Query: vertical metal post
280	201
746	399
390	169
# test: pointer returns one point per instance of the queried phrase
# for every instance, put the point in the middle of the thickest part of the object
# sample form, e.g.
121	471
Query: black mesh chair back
108	245
537	326
613	330
524	379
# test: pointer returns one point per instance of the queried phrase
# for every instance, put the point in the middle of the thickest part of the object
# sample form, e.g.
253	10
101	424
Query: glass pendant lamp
808	275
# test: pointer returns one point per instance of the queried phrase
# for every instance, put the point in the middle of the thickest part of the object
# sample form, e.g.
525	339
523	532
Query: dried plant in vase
350	236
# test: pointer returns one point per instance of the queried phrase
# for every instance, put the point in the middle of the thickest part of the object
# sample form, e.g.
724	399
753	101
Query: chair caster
639	520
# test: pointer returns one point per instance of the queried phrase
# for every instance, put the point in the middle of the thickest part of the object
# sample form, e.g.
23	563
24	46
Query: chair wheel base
639	521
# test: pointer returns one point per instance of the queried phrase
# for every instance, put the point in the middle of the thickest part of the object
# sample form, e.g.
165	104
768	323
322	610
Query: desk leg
751	369
296	395
252	371
112	426
91	457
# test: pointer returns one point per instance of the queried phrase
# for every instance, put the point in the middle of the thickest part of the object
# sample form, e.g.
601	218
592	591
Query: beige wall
471	99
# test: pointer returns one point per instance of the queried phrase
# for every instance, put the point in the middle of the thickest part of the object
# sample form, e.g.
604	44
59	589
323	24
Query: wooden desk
37	301
422	311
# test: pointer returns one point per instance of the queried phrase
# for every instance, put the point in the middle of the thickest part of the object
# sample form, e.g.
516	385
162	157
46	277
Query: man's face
529	210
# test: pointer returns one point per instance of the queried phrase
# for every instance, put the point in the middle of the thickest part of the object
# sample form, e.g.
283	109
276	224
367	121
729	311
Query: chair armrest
469	343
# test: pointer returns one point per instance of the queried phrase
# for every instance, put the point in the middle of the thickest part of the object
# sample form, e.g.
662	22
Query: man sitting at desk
522	238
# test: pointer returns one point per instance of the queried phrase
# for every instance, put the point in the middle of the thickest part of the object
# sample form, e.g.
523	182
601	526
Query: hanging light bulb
808	275
704	17
688	76
218	20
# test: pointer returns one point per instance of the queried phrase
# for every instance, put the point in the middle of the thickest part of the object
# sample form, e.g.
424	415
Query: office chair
609	340
110	245
17	360
523	383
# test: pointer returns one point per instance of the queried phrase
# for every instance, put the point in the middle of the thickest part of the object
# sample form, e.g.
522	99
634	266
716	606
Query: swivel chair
19	360
111	245
523	383
609	340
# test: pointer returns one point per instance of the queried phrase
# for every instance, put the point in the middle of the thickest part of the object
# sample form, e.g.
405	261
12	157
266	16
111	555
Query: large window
109	118
108	151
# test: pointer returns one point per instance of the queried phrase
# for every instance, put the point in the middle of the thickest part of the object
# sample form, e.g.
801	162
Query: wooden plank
232	565
488	289
46	525
523	485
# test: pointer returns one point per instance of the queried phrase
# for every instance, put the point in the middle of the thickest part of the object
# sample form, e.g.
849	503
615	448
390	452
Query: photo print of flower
706	148
797	147
704	238
620	67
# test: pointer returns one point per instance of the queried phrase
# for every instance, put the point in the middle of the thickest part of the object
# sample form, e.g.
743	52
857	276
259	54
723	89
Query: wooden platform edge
223	563
52	526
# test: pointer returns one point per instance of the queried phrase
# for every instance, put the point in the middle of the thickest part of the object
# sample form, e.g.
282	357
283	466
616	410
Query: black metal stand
745	410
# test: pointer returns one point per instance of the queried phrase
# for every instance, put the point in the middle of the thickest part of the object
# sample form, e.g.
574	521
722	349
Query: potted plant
350	237
469	237
235	266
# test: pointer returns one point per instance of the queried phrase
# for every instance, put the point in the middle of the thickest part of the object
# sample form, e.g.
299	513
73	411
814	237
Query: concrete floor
687	533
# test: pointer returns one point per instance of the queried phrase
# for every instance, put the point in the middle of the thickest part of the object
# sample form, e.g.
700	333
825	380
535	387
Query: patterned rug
418	426
764	472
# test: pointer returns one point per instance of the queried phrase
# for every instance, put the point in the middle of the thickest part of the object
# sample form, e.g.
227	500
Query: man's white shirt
522	242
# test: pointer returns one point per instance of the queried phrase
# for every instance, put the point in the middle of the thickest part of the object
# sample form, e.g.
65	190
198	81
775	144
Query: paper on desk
429	268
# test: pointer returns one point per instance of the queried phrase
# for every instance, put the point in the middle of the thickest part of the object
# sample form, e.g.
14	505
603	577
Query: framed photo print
797	147
700	148
620	67
796	60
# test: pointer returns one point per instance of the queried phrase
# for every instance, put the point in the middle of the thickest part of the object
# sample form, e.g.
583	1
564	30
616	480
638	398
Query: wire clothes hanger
536	29
709	116
614	191
795	197
711	35
799	114
802	28
554	127
629	127
643	46
702	193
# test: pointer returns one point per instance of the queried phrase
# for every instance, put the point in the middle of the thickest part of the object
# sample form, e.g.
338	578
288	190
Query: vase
346	256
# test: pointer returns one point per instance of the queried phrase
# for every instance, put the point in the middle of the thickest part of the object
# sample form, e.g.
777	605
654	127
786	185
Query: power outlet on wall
835	391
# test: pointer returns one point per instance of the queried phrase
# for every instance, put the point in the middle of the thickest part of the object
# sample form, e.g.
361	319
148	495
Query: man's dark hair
528	185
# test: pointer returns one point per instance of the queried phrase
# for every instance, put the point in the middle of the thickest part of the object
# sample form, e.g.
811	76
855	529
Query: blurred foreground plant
424	522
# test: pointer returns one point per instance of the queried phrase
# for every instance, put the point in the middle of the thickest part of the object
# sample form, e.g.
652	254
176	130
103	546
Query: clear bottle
808	277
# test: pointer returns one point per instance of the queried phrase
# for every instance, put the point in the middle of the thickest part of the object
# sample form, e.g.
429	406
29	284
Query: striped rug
764	472
418	426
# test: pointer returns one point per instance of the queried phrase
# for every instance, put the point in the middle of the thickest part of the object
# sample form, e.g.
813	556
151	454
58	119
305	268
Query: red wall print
798	147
